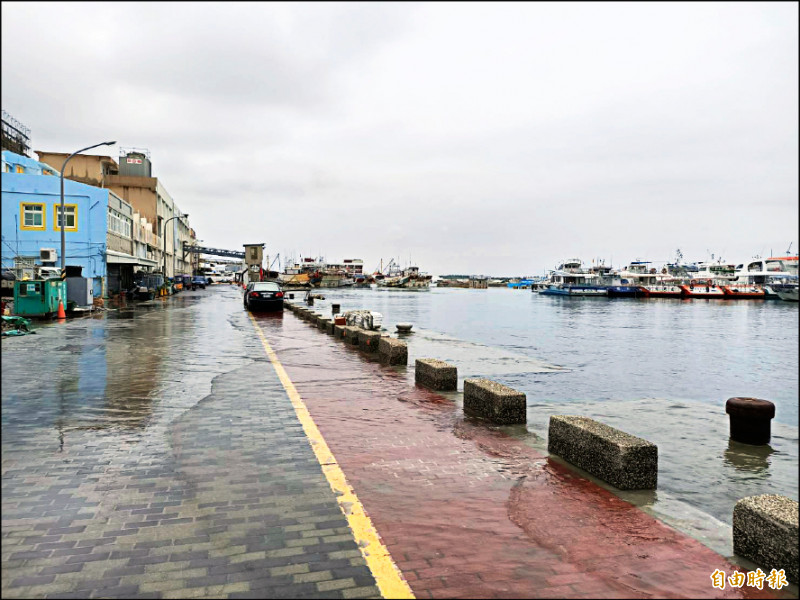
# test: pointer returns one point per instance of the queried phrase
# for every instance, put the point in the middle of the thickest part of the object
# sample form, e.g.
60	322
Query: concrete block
368	340
435	374
625	461
393	351
338	332
322	323
351	334
494	402
329	327
765	531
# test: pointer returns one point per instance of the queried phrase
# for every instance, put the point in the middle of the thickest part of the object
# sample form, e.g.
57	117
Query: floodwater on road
658	369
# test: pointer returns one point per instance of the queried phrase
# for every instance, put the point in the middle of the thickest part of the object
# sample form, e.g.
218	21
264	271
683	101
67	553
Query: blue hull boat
626	291
574	290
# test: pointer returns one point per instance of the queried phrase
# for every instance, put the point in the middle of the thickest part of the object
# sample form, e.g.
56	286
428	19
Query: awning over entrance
119	258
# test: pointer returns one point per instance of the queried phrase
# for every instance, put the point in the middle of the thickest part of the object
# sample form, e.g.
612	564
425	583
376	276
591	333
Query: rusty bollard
750	420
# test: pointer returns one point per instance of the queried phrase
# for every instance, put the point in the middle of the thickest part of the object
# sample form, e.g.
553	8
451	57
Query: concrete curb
393	351
494	401
765	531
625	461
368	340
435	374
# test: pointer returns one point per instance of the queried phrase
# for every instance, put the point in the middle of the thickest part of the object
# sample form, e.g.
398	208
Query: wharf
204	483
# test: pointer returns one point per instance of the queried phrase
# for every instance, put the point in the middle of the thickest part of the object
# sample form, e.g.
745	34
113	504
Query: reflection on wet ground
159	456
132	391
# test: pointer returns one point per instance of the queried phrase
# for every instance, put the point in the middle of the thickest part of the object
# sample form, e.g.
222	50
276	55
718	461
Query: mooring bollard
750	420
335	309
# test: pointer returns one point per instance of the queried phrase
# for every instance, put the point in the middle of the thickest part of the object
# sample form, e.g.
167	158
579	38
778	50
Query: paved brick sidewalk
217	498
468	512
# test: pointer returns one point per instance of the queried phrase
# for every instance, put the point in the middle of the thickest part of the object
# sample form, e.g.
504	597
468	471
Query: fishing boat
408	278
767	273
570	278
634	279
315	272
789	292
787	263
573	290
666	288
744	291
702	288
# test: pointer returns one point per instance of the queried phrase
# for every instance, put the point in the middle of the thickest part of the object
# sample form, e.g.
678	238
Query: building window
118	224
71	211
20	169
32	216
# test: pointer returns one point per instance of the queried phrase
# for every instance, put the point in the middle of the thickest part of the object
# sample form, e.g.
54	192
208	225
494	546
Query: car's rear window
266	286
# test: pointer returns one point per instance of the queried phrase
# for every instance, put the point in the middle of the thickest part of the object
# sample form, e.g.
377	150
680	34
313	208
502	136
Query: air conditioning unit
47	255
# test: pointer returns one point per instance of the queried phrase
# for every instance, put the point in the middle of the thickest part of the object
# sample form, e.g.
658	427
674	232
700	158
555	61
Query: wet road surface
154	453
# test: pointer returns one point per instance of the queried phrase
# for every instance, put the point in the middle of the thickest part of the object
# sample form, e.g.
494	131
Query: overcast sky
468	138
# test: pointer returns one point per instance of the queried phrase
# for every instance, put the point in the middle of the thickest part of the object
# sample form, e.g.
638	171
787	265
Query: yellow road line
388	577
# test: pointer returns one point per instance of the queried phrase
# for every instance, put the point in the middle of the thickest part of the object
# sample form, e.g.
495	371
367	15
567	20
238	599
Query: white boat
571	278
634	280
761	274
666	288
789	294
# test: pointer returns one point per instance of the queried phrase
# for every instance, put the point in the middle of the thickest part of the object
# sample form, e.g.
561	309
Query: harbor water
660	369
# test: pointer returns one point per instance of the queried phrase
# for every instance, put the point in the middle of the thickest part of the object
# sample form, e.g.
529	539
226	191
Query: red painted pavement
469	512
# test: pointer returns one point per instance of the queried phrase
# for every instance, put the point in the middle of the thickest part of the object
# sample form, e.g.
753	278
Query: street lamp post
173	243
63	216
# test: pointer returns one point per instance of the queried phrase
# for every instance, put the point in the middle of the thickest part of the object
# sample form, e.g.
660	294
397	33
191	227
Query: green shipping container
39	297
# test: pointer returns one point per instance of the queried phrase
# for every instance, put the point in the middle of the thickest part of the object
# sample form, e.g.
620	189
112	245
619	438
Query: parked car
198	281
263	295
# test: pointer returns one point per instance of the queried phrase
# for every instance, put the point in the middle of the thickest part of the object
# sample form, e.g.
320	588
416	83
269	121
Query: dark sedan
263	295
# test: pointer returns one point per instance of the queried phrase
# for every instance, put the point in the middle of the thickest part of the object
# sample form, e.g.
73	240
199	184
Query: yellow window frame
22	225
56	207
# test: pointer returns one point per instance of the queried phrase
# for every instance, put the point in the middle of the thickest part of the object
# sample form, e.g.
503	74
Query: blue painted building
31	200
